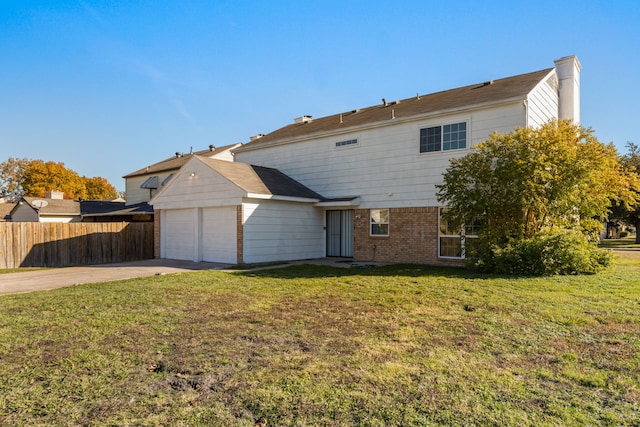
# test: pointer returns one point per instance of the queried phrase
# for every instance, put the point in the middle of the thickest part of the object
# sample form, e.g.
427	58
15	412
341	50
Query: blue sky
108	87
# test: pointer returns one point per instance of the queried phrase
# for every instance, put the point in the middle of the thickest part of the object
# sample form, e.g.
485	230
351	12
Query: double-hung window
442	138
379	222
454	242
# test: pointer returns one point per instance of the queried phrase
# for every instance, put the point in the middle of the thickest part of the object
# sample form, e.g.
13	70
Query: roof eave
373	125
280	198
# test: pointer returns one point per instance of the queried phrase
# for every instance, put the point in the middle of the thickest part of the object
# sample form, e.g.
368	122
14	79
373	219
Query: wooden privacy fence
37	244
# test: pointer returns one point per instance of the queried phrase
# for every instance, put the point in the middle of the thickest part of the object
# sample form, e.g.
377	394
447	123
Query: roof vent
303	119
212	147
178	154
384	102
258	136
489	83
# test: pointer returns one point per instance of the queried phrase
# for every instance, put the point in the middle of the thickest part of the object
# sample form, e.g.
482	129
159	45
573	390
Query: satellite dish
39	204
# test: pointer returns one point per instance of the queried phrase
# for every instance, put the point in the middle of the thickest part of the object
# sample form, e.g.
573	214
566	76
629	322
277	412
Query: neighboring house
373	172
54	208
5	210
143	184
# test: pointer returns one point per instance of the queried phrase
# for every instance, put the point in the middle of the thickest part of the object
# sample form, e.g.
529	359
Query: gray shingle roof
260	180
175	162
56	206
467	96
108	208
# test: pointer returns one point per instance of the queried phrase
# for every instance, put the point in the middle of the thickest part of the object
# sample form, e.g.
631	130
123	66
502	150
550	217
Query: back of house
371	175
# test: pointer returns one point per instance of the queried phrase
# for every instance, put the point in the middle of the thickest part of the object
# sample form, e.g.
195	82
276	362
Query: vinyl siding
543	103
205	189
385	168
275	231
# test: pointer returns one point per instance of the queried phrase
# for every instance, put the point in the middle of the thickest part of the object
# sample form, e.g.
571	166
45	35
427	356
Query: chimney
303	119
568	70
58	195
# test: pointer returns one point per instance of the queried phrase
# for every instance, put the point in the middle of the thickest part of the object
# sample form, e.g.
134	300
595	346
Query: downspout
525	103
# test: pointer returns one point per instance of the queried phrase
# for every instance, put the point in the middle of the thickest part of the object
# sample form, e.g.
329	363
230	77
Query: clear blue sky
108	87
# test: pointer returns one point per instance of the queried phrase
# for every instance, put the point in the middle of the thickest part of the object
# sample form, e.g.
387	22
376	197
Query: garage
179	234
219	243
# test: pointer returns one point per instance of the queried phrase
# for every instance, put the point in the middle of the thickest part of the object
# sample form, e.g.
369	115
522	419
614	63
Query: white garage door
179	234
219	242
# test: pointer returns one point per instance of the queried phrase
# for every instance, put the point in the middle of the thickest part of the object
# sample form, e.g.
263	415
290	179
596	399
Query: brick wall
239	236
413	237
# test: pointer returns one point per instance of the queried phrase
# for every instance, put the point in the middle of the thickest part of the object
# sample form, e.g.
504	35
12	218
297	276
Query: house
369	175
143	184
5	210
54	208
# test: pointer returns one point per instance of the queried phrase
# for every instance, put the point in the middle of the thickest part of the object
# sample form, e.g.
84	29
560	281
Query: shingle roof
176	162
5	210
103	208
467	96
260	180
56	206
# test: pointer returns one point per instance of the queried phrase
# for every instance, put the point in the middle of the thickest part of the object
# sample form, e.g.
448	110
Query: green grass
627	242
305	345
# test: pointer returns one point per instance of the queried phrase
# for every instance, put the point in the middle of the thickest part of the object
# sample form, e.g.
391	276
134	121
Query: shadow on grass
309	271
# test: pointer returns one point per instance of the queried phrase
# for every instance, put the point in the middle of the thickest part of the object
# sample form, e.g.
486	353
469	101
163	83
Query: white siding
135	194
385	168
60	218
219	243
205	188
275	231
543	103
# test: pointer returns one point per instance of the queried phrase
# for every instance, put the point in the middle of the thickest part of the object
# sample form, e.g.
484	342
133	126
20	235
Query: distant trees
25	177
530	182
621	211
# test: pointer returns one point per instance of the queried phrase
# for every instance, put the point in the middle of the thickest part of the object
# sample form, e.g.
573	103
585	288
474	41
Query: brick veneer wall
156	234
413	237
239	236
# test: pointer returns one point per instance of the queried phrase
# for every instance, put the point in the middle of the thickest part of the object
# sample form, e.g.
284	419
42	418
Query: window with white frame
442	138
379	222
453	242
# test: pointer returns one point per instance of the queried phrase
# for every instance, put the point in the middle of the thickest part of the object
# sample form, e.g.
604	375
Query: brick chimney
568	70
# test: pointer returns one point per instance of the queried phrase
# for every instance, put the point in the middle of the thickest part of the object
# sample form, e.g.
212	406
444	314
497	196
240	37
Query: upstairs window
443	138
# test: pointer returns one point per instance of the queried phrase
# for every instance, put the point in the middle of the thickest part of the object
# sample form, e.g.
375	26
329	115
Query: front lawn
305	345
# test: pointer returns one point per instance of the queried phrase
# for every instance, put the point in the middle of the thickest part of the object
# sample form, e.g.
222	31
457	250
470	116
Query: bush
547	253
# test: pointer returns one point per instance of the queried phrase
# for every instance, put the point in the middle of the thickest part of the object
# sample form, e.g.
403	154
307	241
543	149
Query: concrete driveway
39	280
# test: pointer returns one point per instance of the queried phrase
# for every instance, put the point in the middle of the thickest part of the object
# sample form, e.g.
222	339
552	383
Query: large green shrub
548	252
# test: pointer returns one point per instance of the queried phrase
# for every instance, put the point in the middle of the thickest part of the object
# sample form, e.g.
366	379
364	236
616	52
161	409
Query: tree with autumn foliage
556	180
24	177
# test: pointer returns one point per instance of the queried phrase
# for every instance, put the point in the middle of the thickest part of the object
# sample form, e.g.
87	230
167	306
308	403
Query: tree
24	177
41	177
515	185
621	211
11	177
99	188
